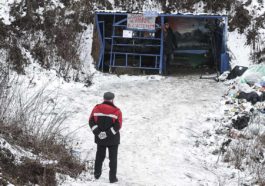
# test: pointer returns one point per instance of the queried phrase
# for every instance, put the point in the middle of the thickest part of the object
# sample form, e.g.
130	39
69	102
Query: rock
215	152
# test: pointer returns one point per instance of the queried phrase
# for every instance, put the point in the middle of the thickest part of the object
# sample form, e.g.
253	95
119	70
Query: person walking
105	122
170	43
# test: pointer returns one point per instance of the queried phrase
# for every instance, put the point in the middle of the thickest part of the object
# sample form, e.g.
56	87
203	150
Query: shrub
35	124
247	151
241	19
16	59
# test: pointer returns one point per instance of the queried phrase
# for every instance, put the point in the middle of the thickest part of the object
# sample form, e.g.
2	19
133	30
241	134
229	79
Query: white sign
127	33
139	21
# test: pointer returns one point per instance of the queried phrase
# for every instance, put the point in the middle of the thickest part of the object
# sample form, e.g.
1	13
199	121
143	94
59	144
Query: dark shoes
97	176
113	180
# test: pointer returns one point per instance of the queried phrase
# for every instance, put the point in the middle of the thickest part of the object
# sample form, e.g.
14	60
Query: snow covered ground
164	138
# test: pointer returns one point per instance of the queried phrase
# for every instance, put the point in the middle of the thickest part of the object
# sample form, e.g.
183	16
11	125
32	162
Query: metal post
224	56
161	46
126	60
225	34
101	47
104	44
112	38
114	59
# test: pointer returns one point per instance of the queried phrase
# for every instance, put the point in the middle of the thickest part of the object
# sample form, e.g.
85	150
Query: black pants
168	58
100	156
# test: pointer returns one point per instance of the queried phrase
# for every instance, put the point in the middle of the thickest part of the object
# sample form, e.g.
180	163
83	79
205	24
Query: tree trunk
29	8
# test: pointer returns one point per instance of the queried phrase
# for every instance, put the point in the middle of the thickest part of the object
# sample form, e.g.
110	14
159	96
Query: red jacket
108	118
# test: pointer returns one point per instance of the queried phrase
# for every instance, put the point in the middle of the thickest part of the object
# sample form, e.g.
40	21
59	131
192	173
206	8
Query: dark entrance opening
200	43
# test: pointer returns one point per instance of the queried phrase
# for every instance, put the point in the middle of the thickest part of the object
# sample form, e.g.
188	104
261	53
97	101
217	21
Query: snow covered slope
164	139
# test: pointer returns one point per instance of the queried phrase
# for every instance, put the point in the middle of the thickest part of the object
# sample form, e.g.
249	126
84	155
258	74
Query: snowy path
162	120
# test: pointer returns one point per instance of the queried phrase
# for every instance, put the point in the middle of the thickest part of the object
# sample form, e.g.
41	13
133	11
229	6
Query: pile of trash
243	122
246	90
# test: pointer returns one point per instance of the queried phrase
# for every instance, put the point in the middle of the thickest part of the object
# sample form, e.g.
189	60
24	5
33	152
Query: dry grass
247	151
35	124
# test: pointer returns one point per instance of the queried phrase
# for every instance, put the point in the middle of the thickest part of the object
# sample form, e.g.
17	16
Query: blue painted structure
109	40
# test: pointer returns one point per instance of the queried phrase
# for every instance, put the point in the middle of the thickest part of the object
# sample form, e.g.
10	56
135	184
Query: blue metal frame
119	22
112	40
113	54
144	38
167	15
225	65
103	42
158	57
161	66
100	62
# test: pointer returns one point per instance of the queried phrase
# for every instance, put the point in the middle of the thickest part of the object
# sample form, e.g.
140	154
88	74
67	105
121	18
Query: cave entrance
136	43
